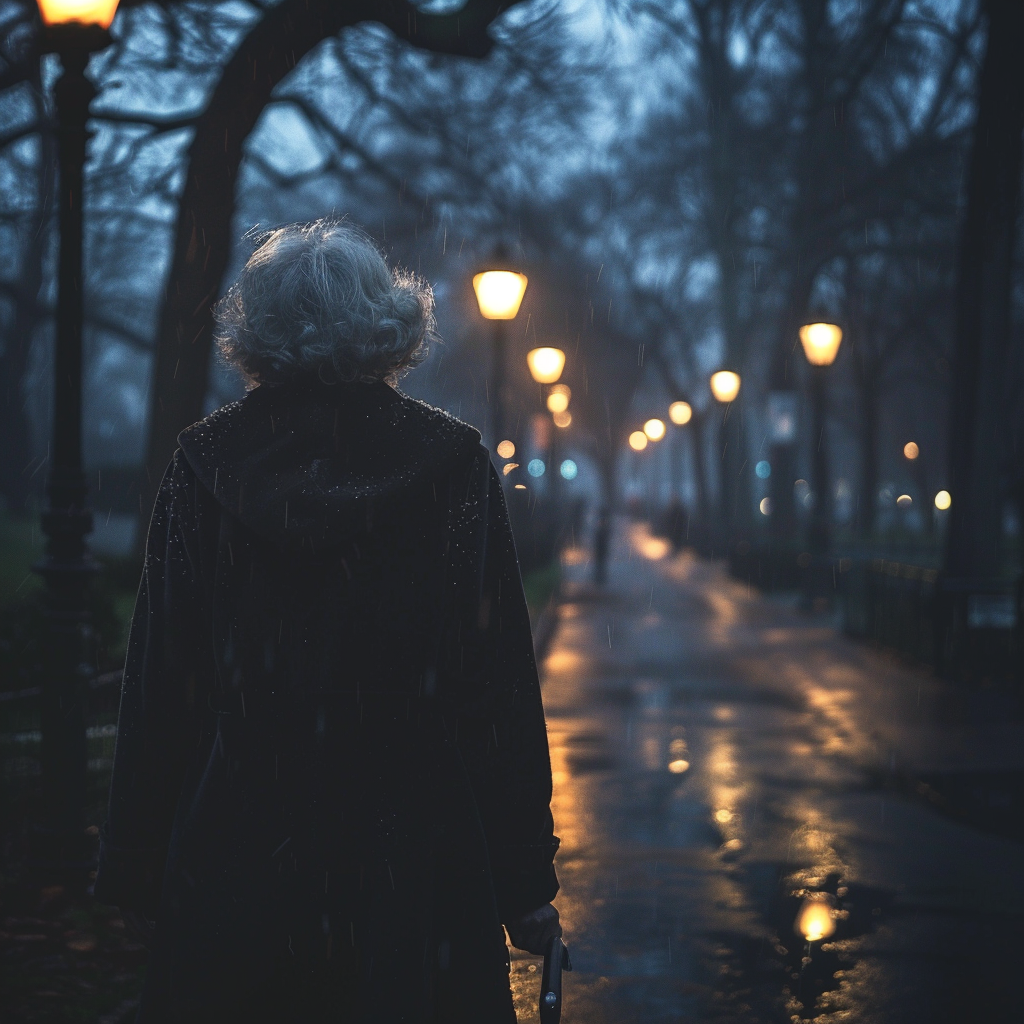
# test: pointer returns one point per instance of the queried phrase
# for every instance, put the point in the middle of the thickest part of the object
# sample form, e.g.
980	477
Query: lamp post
725	386
655	430
74	29
821	345
499	293
546	366
680	413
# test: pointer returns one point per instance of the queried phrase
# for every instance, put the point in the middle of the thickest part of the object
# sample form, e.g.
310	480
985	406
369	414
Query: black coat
331	780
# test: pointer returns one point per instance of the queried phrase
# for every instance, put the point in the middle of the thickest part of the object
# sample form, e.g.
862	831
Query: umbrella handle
556	960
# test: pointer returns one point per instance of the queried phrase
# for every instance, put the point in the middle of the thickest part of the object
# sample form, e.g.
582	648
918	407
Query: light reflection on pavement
681	885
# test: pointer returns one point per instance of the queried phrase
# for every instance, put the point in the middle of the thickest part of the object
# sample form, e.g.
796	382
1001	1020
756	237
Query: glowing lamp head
546	364
943	500
499	293
655	429
725	385
680	413
84	12
638	440
821	343
815	920
558	400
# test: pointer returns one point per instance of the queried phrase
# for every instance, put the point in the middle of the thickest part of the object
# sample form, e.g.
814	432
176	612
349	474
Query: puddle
780	976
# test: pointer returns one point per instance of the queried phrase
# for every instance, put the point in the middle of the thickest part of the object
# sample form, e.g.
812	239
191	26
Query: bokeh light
910	450
558	400
943	500
815	920
535	467
568	469
904	501
638	440
562	419
765	506
506	449
680	413
655	429
763	469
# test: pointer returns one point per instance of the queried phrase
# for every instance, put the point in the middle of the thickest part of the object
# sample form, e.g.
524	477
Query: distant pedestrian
331	783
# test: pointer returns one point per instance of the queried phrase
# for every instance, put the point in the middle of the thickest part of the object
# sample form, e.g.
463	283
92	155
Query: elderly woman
331	782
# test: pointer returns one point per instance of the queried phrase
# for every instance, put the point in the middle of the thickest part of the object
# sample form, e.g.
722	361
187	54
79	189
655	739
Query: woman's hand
533	931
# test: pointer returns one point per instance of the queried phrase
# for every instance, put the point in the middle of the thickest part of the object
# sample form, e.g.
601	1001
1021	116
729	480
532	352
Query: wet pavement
718	758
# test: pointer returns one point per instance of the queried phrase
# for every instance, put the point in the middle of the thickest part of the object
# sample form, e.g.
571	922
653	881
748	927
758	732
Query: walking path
716	757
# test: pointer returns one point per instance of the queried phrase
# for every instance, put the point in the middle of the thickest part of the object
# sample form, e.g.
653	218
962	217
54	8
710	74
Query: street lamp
725	386
821	346
74	29
680	413
558	398
655	429
499	293
82	13
546	364
821	343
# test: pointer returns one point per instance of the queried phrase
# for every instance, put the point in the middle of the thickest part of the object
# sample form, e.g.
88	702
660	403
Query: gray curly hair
319	300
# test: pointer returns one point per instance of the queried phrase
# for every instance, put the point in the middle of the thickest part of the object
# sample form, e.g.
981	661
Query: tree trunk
978	424
203	242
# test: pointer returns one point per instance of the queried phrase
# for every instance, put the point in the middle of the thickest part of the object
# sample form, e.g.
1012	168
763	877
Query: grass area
21	544
22	621
540	586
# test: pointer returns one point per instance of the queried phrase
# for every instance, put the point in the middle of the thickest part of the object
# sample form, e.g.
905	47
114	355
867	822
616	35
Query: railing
966	630
892	604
